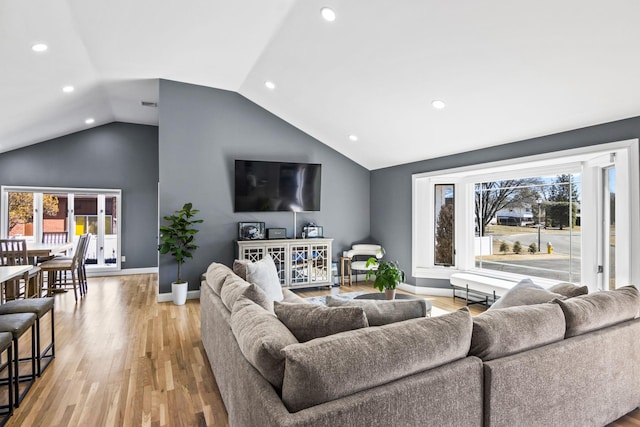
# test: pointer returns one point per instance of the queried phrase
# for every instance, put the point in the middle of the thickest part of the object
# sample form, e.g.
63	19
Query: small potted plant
177	238
388	276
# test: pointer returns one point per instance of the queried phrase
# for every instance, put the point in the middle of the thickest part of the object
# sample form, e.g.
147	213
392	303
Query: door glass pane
110	229
86	216
445	224
20	215
54	213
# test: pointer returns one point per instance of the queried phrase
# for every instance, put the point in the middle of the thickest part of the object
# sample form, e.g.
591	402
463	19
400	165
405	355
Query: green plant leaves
177	237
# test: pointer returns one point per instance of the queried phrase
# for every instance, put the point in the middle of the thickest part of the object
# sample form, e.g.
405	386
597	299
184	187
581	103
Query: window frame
571	161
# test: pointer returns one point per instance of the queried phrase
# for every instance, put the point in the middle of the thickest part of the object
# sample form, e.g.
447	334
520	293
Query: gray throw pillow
310	321
257	295
499	333
240	267
264	274
598	310
525	293
261	338
384	312
569	290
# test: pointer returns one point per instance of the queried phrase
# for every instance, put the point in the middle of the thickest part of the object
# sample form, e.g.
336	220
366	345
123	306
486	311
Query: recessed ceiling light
328	14
39	47
68	89
270	85
353	137
438	105
90	121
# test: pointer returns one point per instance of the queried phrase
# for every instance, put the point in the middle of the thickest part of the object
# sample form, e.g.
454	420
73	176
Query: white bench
489	288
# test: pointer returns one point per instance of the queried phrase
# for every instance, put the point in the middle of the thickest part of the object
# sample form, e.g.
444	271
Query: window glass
444	206
529	226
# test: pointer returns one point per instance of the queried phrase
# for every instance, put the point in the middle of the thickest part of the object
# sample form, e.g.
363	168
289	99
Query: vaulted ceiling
505	70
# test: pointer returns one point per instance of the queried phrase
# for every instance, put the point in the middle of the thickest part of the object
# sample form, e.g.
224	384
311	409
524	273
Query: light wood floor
125	360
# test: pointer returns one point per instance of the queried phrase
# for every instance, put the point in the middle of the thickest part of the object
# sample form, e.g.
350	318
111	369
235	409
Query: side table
345	267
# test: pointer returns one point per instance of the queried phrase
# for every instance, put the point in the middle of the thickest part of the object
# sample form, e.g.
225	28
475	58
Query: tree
558	213
21	207
562	190
492	197
444	236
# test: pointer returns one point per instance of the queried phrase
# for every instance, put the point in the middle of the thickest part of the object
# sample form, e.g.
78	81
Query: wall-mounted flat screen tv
277	186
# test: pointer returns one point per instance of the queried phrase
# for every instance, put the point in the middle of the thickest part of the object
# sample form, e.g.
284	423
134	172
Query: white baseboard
124	272
166	297
422	290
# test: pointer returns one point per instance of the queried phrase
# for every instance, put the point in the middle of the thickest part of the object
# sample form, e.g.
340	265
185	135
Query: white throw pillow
265	275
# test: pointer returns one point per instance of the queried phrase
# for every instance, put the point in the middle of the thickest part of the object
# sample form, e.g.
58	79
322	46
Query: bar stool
17	324
39	307
6	411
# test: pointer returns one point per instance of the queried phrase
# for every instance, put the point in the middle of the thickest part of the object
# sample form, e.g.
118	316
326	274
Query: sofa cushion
240	267
600	309
310	321
569	290
339	365
232	288
525	293
384	312
499	333
292	297
264	274
216	275
261	338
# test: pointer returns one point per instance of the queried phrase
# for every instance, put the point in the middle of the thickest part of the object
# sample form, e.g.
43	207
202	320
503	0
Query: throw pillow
598	310
525	293
384	312
499	333
309	321
569	290
261	338
240	267
264	274
257	295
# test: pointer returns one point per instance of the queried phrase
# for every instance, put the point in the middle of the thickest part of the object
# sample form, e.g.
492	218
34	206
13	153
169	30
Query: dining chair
53	237
63	265
14	252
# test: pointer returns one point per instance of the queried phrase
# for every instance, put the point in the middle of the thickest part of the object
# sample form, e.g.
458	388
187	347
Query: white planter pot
179	292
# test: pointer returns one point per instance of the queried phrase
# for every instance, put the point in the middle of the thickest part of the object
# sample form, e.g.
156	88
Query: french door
32	212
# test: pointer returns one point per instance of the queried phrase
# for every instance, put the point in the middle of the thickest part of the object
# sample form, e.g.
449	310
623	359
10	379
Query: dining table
39	249
9	272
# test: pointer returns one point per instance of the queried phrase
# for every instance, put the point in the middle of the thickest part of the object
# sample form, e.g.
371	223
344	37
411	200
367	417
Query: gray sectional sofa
568	363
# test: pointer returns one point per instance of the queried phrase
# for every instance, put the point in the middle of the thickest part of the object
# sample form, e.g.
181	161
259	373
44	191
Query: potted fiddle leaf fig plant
388	276
177	238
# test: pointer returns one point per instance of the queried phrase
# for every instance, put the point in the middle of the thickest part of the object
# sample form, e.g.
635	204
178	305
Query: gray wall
202	132
118	155
391	187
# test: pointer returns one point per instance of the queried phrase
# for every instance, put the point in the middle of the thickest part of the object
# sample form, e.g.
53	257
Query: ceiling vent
149	104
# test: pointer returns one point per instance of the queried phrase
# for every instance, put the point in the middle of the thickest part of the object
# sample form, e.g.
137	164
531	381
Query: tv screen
276	186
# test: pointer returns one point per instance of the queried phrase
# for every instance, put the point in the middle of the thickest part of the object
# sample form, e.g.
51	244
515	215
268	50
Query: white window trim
574	160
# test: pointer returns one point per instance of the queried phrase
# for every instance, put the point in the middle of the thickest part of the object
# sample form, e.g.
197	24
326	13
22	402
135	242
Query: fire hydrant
549	248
